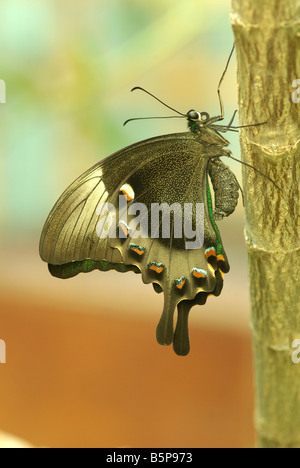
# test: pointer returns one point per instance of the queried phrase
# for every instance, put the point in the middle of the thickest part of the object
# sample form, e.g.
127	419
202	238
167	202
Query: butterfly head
201	124
197	120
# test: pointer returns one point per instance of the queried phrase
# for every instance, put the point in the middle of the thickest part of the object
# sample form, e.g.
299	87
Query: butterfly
94	225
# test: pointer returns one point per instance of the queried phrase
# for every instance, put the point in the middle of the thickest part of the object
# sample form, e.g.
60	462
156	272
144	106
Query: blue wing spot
137	249
179	283
199	273
210	252
157	267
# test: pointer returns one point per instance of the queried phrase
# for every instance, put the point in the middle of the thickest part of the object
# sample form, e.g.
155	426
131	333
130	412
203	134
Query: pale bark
267	38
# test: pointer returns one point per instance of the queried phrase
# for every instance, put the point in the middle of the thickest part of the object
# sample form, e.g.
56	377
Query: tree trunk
267	38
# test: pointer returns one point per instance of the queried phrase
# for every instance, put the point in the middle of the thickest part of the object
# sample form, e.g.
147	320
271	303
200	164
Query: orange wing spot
127	191
210	252
124	229
140	252
137	249
220	258
157	267
198	273
179	283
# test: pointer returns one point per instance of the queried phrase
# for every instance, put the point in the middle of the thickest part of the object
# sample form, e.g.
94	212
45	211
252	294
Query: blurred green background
68	68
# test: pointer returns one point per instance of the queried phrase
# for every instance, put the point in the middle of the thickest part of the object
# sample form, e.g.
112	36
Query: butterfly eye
204	116
193	115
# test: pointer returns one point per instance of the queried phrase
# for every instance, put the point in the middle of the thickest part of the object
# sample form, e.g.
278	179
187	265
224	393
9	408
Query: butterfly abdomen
226	189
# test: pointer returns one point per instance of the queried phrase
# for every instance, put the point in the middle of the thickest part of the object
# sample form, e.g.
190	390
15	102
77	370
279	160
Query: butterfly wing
94	225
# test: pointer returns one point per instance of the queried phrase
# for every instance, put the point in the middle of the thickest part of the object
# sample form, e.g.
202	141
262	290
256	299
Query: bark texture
267	38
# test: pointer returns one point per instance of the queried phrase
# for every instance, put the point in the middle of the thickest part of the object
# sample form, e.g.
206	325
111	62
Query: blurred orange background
83	366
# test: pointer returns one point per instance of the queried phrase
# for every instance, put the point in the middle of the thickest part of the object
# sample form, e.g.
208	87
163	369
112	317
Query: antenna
150	94
220	82
160	117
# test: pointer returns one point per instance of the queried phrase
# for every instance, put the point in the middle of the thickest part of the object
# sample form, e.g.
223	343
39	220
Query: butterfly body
130	213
